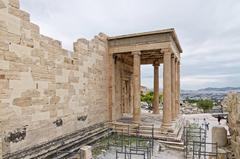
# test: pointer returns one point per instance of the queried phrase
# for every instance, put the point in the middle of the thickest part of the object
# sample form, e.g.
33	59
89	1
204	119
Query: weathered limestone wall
232	101
47	91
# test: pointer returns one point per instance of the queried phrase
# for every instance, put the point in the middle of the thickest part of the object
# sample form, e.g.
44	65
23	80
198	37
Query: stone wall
46	91
232	102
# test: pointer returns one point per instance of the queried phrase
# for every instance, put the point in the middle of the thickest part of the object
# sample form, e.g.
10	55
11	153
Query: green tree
160	98
205	104
148	98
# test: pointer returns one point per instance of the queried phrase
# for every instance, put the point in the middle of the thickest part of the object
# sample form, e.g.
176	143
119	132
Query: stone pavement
213	122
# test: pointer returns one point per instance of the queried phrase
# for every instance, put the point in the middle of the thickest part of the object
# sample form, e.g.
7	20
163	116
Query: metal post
128	136
122	140
193	150
152	137
125	154
115	135
108	136
205	144
187	133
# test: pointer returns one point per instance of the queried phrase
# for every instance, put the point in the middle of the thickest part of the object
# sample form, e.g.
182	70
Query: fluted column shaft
167	116
156	89
178	88
136	87
173	87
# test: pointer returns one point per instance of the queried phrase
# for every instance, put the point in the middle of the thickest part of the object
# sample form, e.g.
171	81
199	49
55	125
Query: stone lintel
143	47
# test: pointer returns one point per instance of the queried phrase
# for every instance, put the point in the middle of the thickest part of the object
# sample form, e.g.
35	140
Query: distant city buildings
215	94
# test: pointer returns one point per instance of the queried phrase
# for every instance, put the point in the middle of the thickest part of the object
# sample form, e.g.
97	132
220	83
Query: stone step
135	130
181	144
178	148
158	137
175	145
141	126
66	142
144	131
69	146
140	133
75	149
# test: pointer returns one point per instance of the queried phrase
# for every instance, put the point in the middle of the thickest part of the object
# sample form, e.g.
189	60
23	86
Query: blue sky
209	31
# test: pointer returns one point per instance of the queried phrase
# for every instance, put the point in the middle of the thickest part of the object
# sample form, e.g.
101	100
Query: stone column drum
136	87
219	135
86	152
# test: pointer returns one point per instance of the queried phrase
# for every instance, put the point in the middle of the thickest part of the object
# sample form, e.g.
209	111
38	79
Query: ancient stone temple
52	98
127	53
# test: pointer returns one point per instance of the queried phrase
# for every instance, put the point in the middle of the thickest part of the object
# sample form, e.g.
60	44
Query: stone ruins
232	102
52	98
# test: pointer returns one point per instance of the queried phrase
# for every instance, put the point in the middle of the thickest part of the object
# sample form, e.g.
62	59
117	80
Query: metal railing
131	142
195	145
200	151
191	134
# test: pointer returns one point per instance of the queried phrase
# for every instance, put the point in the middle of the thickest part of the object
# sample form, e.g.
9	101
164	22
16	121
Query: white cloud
208	32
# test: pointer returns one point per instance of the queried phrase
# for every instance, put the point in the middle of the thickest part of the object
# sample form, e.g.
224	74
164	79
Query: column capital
174	57
167	51
136	53
178	62
156	63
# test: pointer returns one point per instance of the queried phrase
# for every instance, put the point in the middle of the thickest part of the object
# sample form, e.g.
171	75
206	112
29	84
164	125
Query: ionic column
156	88
136	87
176	84
178	87
177	93
166	122
173	87
131	96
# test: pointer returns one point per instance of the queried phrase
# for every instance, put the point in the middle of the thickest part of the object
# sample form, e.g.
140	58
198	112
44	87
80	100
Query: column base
166	127
174	121
157	112
136	121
